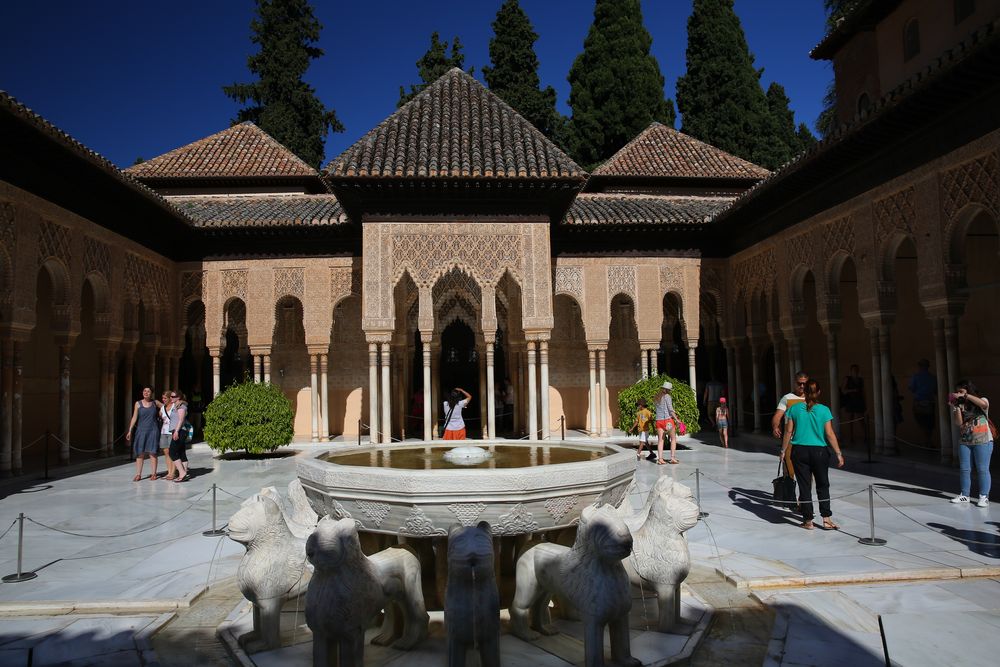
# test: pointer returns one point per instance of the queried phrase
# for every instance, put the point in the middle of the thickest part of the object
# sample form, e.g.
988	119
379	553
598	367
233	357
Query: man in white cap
666	423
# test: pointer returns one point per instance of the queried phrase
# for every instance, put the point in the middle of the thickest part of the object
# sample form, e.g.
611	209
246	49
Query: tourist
666	420
165	407
714	391
923	386
178	436
722	421
454	425
852	393
975	440
145	421
797	395
642	418
808	430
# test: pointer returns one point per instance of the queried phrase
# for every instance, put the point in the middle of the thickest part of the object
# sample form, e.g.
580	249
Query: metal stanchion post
20	576
697	492
562	426
359	433
215	532
871	541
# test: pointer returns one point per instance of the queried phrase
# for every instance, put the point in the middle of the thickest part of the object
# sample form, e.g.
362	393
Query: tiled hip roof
262	210
623	209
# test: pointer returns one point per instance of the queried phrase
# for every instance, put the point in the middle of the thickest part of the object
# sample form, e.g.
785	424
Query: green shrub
685	404
252	417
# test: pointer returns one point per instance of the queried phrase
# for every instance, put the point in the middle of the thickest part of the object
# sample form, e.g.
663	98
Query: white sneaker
984	501
960	499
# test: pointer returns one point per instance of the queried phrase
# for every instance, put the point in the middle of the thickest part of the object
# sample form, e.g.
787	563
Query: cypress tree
514	74
281	103
797	139
434	64
616	88
719	97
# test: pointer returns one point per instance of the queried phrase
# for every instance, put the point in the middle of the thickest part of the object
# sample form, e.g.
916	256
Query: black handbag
784	486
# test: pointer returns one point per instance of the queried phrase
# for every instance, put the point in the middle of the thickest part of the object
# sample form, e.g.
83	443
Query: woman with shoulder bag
975	440
454	424
178	436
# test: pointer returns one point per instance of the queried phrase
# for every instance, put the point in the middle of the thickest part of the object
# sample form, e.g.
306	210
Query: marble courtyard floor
126	578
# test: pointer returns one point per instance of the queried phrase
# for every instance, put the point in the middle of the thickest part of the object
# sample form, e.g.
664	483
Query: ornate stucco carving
894	213
192	286
96	258
569	280
234	284
621	280
53	241
974	181
289	282
467	513
838	236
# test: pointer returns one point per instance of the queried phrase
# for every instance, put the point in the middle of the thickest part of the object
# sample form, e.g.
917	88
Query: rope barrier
126	534
12	524
934	530
916	446
33	442
127	550
229	493
765	499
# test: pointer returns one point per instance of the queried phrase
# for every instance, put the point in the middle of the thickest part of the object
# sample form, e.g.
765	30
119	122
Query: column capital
378	337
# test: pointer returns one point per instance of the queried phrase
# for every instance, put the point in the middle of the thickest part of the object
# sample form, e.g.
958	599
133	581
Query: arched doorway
459	367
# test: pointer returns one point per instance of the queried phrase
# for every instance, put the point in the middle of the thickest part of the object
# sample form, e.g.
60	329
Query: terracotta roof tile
631	209
240	151
455	128
262	210
663	152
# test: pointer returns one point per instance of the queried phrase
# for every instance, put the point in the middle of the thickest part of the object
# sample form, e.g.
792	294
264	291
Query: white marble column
491	404
951	355
543	372
876	389
16	407
603	393
256	363
888	397
127	372
102	400
645	362
794	359
941	366
64	399
734	410
755	375
692	367
175	371
266	364
425	339
109	407
778	381
324	399
740	410
314	394
386	419
6	419
373	399
592	422
216	373
833	354
532	391
434	391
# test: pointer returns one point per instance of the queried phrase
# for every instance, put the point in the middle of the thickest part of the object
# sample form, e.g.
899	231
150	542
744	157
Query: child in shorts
642	418
722	421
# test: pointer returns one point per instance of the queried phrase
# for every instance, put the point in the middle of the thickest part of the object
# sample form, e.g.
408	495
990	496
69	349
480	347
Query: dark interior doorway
460	368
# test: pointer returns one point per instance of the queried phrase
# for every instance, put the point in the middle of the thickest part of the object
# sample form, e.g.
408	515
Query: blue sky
132	78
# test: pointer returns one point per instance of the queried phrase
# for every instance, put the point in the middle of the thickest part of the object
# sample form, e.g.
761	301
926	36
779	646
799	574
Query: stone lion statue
660	558
472	600
348	589
274	567
589	576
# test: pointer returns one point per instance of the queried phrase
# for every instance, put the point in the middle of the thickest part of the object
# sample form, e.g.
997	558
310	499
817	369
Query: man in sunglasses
797	395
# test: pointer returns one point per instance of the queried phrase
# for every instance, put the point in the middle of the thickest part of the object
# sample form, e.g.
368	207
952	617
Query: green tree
514	74
719	97
616	88
280	102
433	65
797	139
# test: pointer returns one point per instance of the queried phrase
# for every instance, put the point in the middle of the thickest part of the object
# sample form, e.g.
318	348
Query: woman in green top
809	429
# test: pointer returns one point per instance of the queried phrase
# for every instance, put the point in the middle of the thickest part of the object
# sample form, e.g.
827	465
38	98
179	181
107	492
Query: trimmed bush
251	417
685	404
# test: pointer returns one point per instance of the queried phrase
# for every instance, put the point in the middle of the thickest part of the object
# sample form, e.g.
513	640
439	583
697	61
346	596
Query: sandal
661	462
674	461
808	525
153	478
828	524
137	478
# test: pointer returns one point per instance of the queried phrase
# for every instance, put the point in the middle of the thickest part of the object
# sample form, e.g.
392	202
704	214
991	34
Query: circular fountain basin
413	490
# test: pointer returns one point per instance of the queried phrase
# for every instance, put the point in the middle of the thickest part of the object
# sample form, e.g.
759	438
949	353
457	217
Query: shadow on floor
978	542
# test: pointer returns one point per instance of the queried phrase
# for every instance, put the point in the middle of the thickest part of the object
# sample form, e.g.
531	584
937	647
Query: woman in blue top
809	429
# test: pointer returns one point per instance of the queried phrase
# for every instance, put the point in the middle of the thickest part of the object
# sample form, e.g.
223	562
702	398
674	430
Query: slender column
645	363
373	393
324	399
483	397
692	372
102	399
592	423
151	372
532	390
888	397
216	374
543	373
109	409
434	392
175	371
64	395
517	369
314	394
386	422
833	354
6	421
740	403
256	362
127	372
603	394
734	408
876	348
778	383
491	403
794	358
267	368
951	354
755	371
941	364
428	396
16	407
